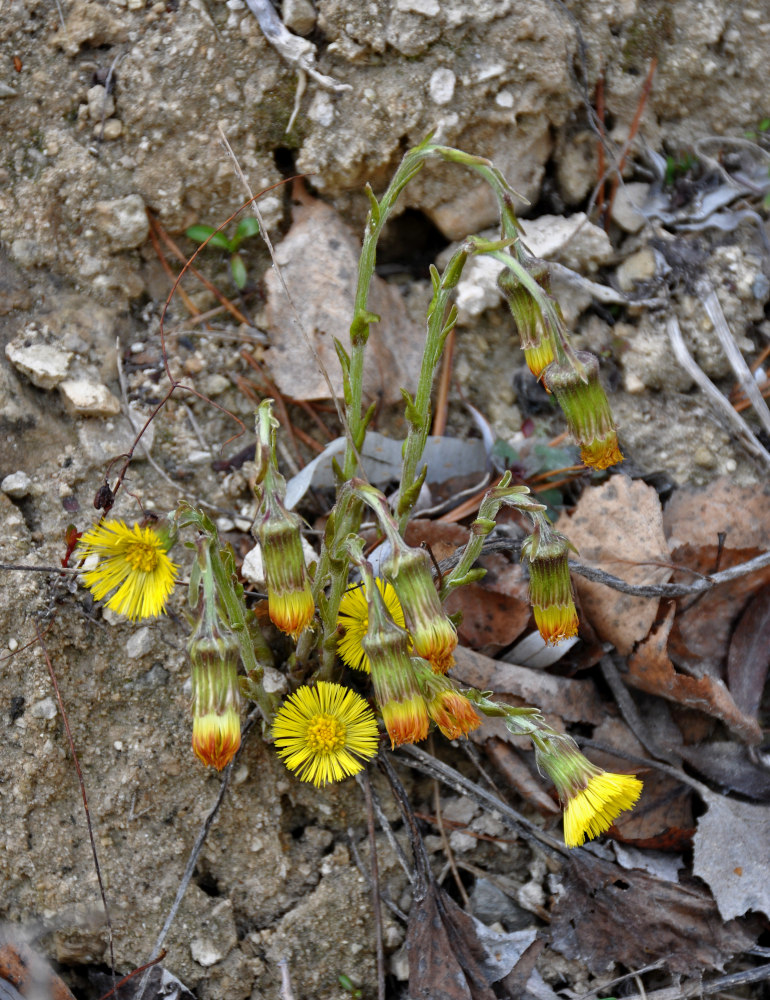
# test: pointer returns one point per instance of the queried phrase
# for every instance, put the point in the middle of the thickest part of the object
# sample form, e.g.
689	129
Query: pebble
205	952
626	207
113	128
640	266
16	485
704	457
123	221
572	240
44	709
45	366
88	399
504	99
13	645
100	103
428	8
442	86
490	904
298	16
139	643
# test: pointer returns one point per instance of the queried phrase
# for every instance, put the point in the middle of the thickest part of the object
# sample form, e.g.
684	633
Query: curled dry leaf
650	669
618	527
748	659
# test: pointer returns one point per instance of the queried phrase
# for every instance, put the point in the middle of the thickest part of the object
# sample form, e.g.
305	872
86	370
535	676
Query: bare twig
387	829
698	988
740	427
629	710
738	363
365	785
94	852
397	911
297	51
445	840
287	993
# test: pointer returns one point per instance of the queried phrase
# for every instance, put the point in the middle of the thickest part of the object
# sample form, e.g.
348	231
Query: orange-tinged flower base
406	721
557	622
595	808
453	714
216	738
601	453
538	358
436	644
292	611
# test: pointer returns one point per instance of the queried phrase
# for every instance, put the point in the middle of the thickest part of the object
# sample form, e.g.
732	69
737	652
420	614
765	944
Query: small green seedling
245	230
347	985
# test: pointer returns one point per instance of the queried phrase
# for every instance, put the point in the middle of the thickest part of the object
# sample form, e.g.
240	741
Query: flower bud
396	689
579	393
550	590
215	697
592	799
536	339
434	637
452	712
289	599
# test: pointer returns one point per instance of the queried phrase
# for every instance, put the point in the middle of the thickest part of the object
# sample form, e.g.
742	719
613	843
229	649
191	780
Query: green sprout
245	229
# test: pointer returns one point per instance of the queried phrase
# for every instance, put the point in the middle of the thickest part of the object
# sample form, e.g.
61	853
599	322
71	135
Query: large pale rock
43	364
84	398
319	260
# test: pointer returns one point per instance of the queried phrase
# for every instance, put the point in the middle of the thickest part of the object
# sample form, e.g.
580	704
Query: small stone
626	209
113	128
205	952
571	240
45	366
633	384
490	904
17	485
321	109
274	682
399	964
640	266
100	103
216	384
123	221
442	86
13	645
461	842
88	399
504	99
139	643
428	8
44	709
298	16
704	457
253	567
459	809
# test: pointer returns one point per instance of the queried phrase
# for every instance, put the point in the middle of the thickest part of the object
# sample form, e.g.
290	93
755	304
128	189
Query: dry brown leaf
618	527
573	700
319	262
748	659
650	669
701	633
607	915
697	516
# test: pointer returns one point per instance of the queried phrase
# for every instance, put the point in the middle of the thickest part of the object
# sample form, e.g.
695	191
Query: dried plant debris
605	915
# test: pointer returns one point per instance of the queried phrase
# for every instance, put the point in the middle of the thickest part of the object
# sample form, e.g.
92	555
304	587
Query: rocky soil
110	111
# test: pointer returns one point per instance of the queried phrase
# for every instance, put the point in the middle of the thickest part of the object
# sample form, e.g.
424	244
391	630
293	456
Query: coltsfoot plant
392	627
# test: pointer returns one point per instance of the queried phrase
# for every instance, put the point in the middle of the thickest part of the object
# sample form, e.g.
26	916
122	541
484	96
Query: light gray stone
299	16
17	485
100	103
442	86
626	209
44	709
573	241
44	365
139	643
640	266
123	221
84	398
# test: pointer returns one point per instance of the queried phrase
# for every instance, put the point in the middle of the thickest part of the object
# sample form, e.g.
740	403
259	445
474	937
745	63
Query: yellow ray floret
133	562
325	733
353	621
594	809
216	737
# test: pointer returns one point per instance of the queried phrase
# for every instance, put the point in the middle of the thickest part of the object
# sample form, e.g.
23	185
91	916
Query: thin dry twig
365	785
737	362
287	993
698	988
740	427
368	878
445	840
81	782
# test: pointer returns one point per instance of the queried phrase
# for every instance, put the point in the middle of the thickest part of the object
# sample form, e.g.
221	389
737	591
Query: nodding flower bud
534	332
592	799
396	689
289	599
579	393
215	696
452	712
550	591
434	637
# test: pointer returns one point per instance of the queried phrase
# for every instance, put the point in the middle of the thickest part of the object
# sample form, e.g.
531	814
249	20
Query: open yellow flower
592	798
594	809
325	733
353	622
134	563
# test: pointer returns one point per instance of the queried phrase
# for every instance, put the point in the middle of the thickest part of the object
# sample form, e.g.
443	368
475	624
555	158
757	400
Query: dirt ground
110	116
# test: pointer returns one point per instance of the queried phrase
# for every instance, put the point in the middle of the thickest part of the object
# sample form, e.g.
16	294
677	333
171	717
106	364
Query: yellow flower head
406	720
592	798
595	808
353	622
324	733
133	562
454	715
216	737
